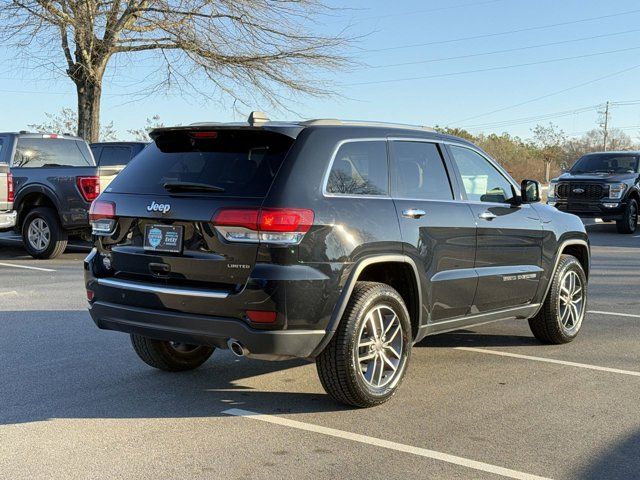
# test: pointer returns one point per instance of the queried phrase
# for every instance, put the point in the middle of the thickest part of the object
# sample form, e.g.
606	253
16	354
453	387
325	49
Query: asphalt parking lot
490	402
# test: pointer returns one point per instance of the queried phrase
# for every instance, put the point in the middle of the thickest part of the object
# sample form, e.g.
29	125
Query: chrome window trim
388	196
327	172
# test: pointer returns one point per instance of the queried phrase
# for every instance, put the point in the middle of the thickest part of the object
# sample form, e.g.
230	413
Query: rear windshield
606	163
52	152
234	162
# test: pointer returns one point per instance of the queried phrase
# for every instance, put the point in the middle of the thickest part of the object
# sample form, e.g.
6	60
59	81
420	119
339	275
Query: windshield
606	163
222	163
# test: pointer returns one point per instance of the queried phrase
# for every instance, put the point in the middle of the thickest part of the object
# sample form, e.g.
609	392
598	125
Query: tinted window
419	172
482	182
360	168
96	150
239	162
606	163
50	152
113	155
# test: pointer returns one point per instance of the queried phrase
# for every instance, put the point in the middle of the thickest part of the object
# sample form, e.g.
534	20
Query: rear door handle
413	213
487	216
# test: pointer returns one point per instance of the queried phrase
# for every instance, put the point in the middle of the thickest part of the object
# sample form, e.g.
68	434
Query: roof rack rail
363	123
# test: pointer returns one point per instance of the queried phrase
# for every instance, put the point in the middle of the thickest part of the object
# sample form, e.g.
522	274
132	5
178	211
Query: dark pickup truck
603	185
55	179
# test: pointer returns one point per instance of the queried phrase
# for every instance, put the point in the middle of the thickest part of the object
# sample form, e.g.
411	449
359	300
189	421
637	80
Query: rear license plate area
163	238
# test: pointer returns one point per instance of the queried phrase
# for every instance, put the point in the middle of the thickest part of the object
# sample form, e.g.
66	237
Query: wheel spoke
395	353
366	343
367	357
390	324
394	334
389	362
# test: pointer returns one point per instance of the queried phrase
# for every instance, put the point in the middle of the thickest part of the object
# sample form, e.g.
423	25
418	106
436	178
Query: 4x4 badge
158	207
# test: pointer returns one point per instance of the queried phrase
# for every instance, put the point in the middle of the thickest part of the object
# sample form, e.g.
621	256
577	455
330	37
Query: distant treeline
548	148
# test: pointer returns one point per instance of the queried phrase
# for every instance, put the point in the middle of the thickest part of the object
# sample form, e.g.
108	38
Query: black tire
169	356
547	326
629	223
57	237
339	369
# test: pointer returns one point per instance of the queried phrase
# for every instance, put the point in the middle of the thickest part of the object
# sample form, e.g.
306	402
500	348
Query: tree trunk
546	171
89	93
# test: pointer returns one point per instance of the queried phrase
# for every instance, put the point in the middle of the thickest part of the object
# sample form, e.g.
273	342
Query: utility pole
605	126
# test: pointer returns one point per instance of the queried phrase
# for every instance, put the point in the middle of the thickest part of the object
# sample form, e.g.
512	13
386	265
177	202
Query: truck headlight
616	190
552	190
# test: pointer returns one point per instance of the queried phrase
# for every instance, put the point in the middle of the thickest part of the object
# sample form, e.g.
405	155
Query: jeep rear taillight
102	217
89	187
10	191
263	225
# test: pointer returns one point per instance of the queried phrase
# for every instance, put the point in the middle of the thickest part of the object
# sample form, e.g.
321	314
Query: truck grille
590	191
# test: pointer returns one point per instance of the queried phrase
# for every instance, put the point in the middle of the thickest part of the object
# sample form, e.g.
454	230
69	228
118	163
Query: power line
552	94
414	12
530	47
490	69
507	32
536	118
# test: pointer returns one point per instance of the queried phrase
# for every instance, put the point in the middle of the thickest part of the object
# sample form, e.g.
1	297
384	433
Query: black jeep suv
339	242
601	185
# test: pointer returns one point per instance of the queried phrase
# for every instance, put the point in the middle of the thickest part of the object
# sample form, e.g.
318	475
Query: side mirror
530	191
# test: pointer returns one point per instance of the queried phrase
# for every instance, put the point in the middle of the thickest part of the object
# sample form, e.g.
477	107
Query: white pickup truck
7	214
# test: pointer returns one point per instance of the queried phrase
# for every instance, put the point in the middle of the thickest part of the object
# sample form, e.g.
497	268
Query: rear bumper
204	330
8	220
302	297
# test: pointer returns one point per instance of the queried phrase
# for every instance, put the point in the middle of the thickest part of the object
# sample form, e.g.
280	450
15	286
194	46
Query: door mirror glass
530	191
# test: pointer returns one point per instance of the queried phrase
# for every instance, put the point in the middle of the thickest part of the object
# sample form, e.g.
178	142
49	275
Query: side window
360	168
418	171
482	182
112	156
1	147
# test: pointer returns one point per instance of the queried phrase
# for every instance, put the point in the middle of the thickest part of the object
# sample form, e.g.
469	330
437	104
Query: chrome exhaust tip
236	348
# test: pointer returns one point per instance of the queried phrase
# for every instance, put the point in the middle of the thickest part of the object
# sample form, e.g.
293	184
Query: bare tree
550	140
142	134
66	121
250	50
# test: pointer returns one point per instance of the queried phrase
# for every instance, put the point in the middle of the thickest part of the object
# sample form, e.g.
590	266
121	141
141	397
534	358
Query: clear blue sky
459	92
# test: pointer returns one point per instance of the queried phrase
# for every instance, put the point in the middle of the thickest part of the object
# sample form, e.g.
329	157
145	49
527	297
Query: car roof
615	152
25	134
133	142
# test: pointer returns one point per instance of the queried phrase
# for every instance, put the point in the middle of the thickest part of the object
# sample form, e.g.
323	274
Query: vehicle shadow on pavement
469	338
618	461
73	370
606	235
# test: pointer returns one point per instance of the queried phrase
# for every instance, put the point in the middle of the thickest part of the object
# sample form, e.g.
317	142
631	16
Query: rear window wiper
191	187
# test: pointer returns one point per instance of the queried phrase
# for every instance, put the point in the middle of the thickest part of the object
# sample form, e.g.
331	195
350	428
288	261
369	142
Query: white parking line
549	360
11	265
378	442
614	314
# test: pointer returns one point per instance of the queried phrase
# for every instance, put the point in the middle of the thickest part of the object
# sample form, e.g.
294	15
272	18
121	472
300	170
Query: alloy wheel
571	302
39	234
380	347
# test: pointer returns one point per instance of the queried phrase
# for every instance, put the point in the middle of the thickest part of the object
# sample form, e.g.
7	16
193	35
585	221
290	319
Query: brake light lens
285	226
89	187
10	191
102	217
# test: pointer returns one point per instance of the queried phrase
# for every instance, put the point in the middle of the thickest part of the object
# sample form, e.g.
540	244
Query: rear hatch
165	199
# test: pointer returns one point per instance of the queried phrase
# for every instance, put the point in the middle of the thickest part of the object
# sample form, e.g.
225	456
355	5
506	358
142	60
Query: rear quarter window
51	152
238	162
360	168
